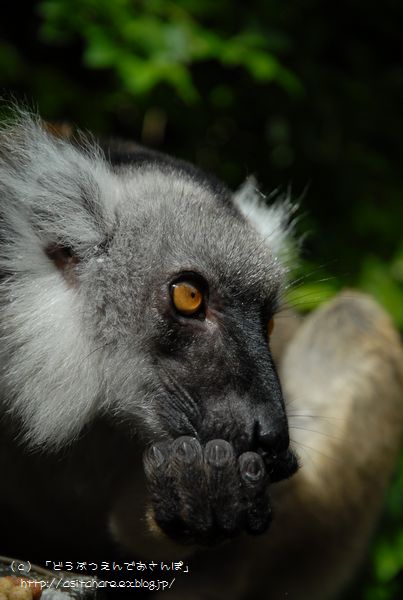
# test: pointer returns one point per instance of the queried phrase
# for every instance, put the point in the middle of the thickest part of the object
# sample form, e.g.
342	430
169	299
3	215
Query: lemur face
142	293
190	291
201	325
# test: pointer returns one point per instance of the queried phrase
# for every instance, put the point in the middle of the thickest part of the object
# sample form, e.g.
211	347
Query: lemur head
139	289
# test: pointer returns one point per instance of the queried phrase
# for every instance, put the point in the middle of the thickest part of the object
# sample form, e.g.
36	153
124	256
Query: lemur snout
272	439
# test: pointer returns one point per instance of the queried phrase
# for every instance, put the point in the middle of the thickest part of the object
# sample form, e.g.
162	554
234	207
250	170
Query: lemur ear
64	259
58	197
275	221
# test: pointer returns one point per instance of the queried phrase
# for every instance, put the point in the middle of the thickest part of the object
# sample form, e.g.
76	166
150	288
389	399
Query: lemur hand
203	495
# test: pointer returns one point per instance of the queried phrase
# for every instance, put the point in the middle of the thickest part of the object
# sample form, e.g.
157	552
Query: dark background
308	96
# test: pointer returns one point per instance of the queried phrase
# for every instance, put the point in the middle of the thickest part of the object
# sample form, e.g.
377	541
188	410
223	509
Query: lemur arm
343	377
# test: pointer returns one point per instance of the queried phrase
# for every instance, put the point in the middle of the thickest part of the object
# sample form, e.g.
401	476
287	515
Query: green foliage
384	280
152	41
308	296
384	580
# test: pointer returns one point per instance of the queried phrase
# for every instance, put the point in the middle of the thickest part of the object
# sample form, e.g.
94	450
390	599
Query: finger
223	485
257	509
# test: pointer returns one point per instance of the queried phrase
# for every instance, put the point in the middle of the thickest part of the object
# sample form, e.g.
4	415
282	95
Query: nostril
273	439
267	440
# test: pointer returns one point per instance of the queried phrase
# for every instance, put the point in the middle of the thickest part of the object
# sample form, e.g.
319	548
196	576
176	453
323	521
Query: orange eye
187	298
270	327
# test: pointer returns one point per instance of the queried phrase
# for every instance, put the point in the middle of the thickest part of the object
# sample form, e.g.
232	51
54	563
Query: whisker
313	416
325	434
299	281
317	451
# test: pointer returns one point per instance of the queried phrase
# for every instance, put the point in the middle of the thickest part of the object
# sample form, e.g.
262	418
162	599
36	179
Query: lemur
148	406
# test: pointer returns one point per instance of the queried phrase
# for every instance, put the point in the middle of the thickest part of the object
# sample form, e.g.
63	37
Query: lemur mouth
280	466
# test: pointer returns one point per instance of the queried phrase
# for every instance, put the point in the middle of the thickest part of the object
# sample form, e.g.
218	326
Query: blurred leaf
164	38
11	65
309	296
388	559
378	280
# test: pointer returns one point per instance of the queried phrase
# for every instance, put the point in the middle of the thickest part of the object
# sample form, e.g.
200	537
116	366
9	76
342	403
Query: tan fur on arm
344	372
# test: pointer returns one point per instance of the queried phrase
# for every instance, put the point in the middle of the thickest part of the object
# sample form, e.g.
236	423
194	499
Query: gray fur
71	352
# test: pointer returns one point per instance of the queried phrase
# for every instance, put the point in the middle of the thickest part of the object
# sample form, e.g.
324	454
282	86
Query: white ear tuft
274	222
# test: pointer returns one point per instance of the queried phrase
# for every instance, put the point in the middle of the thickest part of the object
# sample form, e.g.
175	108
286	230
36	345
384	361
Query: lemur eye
187	298
270	327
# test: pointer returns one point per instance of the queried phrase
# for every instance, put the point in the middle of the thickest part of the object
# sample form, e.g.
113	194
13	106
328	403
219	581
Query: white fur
273	222
49	373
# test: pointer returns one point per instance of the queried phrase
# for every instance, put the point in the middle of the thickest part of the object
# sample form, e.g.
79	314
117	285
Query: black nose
273	438
272	442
